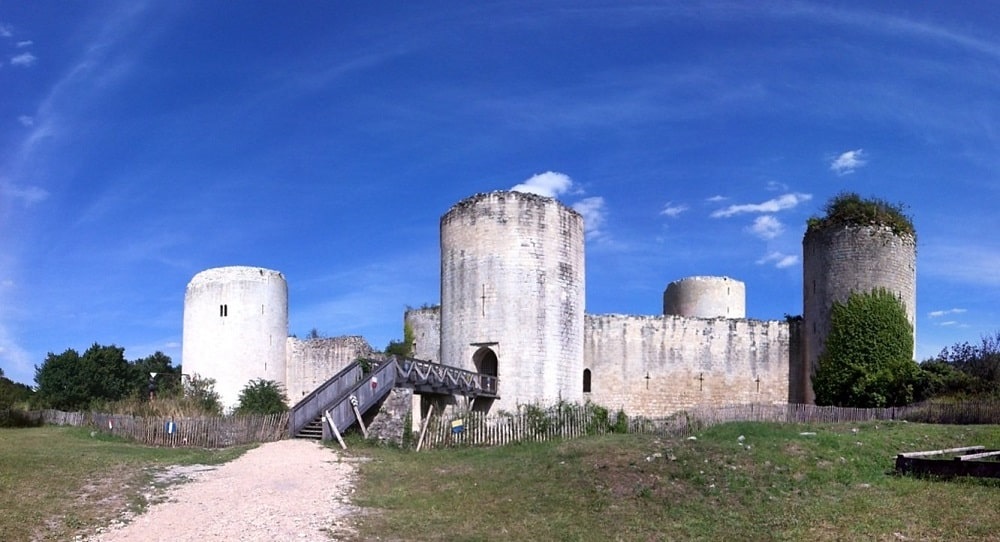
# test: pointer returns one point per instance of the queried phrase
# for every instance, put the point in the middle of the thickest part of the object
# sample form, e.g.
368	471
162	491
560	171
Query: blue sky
141	143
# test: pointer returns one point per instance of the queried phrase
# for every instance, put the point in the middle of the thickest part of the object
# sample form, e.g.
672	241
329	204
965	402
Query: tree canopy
70	381
868	358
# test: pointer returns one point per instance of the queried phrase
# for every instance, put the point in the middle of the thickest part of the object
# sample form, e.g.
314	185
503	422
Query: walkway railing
427	377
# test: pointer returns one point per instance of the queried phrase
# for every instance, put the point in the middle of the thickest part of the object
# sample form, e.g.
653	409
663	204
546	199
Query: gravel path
285	490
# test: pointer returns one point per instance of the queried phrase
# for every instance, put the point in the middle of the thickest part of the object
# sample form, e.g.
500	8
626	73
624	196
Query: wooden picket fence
479	429
200	432
195	432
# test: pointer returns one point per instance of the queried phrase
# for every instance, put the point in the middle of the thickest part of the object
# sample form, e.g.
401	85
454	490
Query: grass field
56	482
737	481
779	482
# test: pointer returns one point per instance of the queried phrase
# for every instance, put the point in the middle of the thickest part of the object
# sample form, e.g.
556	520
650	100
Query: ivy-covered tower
859	246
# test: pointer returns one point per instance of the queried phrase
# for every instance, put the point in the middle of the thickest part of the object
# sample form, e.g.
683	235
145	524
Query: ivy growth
868	359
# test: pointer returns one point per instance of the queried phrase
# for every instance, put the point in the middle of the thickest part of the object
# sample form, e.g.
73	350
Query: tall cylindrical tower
706	297
512	294
841	259
235	328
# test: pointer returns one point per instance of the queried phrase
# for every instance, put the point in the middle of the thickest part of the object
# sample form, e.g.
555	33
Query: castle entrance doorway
485	360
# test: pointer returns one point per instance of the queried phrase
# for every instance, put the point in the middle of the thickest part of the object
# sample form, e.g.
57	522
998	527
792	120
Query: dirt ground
285	490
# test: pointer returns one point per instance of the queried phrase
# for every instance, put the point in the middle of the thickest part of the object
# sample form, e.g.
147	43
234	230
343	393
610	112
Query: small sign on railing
458	426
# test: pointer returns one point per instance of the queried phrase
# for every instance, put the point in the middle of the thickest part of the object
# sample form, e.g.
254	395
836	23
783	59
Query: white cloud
847	162
552	184
6	30
786	201
26	43
775	186
28	194
549	184
593	211
672	210
25	120
716	199
779	260
766	227
936	314
23	59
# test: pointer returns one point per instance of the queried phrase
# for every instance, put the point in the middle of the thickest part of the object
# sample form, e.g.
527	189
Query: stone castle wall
838	261
512	282
312	362
656	365
426	326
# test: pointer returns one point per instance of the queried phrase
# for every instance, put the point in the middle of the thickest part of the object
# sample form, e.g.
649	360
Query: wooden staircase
343	399
312	430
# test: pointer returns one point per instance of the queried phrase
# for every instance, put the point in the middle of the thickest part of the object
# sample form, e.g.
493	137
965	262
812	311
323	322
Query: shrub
849	209
262	397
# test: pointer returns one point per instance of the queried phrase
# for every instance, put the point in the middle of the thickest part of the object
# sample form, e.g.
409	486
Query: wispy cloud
593	211
974	263
780	260
23	59
716	199
848	162
672	210
6	30
766	227
28	195
938	314
13	357
786	201
23	44
25	120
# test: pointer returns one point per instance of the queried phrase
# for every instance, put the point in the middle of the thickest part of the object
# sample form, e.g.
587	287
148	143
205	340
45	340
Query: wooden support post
357	414
333	427
423	429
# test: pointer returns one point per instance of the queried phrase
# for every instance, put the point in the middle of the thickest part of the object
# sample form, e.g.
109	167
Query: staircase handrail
367	392
312	405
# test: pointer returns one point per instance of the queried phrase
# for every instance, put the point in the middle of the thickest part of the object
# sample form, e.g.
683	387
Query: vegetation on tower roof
850	209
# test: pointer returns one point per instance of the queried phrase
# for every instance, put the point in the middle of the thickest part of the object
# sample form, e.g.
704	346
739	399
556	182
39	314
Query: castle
512	305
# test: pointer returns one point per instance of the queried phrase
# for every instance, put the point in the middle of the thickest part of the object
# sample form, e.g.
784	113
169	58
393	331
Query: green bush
868	360
262	397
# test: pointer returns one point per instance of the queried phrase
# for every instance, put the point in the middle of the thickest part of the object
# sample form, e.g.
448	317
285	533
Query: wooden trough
974	461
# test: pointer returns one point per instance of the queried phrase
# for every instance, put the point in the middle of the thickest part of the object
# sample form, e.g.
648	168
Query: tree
12	393
168	378
69	381
868	359
262	397
979	363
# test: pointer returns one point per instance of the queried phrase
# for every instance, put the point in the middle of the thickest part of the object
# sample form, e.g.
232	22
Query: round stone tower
841	259
235	328
705	297
512	295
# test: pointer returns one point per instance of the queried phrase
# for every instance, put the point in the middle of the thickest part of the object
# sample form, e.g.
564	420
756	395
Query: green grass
56	482
775	484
